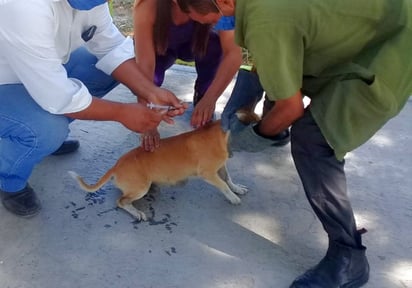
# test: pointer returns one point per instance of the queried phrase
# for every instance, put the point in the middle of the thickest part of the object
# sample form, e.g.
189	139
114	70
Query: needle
156	106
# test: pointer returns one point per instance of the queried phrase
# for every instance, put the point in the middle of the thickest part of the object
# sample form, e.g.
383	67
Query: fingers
177	103
179	110
168	114
201	117
146	142
136	117
172	111
168	119
166	97
150	140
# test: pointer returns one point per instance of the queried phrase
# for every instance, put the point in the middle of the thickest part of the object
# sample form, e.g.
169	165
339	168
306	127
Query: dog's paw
137	214
233	199
140	216
239	189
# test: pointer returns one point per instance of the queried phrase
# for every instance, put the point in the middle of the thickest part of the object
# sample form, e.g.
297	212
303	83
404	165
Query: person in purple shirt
164	33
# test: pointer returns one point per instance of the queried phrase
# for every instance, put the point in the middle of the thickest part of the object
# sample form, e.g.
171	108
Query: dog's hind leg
126	204
132	192
236	188
215	180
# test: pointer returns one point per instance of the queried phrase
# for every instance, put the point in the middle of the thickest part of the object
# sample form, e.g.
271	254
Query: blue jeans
246	94
28	133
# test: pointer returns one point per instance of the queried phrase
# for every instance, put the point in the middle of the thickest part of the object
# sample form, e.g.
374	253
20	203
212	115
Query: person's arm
282	115
116	54
229	65
37	64
129	74
133	116
144	15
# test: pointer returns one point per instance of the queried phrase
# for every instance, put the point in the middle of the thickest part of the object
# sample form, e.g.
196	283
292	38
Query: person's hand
165	97
138	118
248	139
203	112
150	140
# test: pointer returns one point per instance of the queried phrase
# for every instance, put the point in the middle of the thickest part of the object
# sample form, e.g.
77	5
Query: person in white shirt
57	59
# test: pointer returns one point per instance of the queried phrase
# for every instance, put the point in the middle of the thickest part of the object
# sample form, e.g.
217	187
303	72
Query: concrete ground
195	238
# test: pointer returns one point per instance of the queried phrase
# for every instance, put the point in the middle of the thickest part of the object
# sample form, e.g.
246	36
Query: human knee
50	134
82	66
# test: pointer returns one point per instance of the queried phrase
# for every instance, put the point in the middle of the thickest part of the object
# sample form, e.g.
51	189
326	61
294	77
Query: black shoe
67	147
22	203
342	267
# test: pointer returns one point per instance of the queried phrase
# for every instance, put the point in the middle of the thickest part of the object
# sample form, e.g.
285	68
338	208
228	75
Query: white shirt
36	39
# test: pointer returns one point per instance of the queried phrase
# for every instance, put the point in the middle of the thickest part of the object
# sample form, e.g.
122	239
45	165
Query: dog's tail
91	188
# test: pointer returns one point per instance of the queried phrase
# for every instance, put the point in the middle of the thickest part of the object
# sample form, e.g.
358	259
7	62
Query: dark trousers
324	181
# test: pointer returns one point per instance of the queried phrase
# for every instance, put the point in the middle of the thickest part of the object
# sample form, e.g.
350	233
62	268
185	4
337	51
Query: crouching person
57	59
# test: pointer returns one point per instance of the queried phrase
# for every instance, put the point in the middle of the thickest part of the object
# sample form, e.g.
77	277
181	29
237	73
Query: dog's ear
247	116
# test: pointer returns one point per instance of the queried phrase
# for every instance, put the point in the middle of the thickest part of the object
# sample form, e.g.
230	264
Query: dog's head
244	118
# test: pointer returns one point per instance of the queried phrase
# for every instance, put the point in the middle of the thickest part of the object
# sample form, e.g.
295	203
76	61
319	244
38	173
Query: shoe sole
281	142
358	282
21	214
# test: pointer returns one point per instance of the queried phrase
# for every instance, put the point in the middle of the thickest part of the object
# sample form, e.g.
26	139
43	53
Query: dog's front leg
214	179
236	188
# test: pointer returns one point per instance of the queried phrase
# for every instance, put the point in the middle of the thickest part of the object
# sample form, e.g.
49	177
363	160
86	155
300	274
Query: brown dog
202	152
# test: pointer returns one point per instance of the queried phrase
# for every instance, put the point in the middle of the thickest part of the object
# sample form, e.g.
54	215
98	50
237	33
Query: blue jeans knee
25	138
28	133
82	66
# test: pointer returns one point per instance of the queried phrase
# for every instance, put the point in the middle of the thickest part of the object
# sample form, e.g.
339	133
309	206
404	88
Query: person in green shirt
350	58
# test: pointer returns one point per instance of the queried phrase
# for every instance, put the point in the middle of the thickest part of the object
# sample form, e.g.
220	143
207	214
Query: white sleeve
117	56
29	43
108	44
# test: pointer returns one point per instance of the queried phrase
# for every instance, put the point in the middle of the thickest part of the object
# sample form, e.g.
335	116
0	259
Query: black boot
22	203
342	267
67	147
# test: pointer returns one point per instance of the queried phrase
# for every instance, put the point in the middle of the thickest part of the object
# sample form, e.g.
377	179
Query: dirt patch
122	12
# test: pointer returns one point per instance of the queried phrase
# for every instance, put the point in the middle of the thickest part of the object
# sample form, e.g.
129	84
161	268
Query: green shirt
351	57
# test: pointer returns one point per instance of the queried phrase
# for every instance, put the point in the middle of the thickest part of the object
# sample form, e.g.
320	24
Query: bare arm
133	116
282	115
144	15
130	75
231	60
